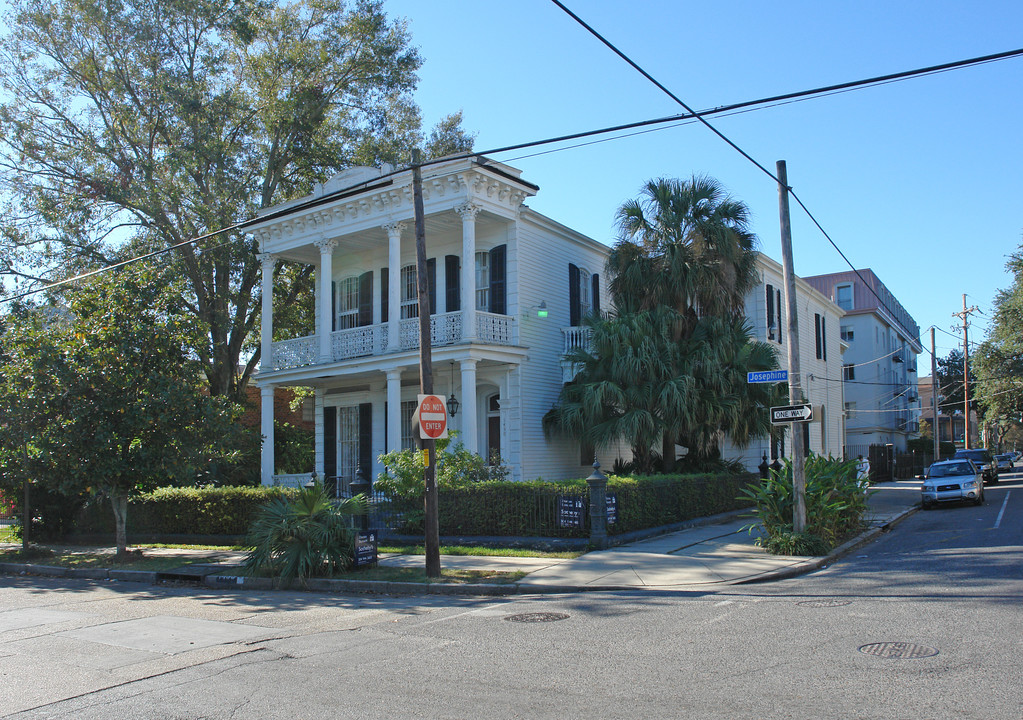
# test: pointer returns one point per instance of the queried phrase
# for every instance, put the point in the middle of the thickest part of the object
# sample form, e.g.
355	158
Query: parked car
1005	461
952	481
983	459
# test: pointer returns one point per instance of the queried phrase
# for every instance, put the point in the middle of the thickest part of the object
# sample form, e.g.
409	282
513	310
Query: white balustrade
295	353
445	329
576	337
494	329
297	480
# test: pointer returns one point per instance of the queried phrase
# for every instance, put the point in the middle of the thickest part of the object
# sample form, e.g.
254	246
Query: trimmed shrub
183	511
529	509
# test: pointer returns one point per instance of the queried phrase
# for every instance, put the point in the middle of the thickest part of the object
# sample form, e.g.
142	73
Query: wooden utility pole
426	373
795	390
936	425
965	316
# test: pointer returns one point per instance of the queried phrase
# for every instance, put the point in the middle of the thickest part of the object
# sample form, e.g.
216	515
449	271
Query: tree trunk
120	505
668	453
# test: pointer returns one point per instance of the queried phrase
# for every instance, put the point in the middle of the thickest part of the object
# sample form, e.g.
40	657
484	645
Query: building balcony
370	340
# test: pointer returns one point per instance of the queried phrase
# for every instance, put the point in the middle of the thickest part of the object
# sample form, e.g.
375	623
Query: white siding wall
545	251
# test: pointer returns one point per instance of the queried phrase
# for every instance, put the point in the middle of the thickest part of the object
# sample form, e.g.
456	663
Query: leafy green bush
304	536
403	471
835	506
184	511
529	509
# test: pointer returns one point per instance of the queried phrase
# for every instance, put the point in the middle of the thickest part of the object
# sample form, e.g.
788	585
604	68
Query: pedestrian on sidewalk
863	471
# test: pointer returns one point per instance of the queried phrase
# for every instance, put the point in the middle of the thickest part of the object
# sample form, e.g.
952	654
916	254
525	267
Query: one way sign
791	414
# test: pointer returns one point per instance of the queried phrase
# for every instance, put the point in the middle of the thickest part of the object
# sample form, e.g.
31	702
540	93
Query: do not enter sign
432	417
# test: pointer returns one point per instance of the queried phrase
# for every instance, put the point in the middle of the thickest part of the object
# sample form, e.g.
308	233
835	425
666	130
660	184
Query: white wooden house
508	291
494	265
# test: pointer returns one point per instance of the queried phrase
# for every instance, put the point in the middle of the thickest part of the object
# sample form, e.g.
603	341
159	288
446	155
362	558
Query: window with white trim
348	303
483	281
844	296
585	292
409	292
847	333
408	409
348	443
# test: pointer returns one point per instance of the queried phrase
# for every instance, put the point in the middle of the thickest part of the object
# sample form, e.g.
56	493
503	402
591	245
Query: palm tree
670	364
687	244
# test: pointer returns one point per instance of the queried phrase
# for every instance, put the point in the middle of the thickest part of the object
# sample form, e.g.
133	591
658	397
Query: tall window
585	292
408	409
850	410
844	296
348	444
409	292
348	303
848	372
483	281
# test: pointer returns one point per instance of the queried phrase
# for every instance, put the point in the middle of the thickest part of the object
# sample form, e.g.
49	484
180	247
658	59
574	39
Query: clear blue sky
921	180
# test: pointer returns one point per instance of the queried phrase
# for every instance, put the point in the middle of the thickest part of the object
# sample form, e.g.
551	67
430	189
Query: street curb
838	553
382	587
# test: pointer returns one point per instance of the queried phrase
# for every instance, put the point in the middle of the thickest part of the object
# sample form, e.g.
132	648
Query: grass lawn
7	534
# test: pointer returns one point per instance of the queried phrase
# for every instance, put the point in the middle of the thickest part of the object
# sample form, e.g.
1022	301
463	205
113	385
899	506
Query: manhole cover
824	603
898	650
537	617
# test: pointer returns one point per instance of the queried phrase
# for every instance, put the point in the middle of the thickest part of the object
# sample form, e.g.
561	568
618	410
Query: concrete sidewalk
722	553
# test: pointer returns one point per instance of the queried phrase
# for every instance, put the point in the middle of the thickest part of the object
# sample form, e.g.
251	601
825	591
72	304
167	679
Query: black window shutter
366	299
770	312
573	295
453	284
499	280
431	283
780	314
333	306
366	439
824	341
596	294
806	439
330	441
817	333
385	278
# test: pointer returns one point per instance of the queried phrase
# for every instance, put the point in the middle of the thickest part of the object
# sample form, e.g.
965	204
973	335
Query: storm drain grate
898	650
537	617
824	603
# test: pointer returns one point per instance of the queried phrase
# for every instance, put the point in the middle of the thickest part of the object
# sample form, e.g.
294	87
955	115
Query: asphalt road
926	622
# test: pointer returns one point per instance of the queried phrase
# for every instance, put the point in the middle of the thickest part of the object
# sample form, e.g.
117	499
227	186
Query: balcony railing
576	337
445	329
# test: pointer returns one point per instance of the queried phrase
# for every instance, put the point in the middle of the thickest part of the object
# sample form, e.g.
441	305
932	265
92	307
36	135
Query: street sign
432	417
767	376
791	414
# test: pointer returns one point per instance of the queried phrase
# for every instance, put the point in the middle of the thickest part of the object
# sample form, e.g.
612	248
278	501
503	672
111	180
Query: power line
689	117
717	132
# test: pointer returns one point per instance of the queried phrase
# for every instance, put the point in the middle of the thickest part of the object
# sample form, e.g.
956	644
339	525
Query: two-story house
506	288
820	361
882	405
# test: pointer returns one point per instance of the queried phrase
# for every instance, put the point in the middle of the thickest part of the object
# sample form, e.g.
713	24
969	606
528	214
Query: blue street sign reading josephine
767	376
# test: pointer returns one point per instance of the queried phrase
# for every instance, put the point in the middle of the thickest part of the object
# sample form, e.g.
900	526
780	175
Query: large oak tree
134	125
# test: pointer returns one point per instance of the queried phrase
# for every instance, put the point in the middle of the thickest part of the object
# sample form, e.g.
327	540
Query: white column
266	429
468	213
393	410
470	418
394	231
266	326
323	275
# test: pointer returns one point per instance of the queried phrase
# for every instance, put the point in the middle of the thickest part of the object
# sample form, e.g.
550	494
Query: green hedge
500	508
182	511
529	509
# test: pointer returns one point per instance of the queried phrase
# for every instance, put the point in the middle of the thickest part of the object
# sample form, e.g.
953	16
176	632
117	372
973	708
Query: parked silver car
951	481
